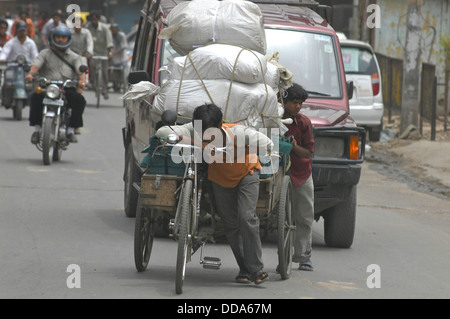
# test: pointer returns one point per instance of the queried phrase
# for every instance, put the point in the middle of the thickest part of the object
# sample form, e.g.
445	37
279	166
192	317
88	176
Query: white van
361	67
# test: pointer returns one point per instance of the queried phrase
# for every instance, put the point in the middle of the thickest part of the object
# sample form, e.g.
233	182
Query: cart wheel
184	238
144	232
285	229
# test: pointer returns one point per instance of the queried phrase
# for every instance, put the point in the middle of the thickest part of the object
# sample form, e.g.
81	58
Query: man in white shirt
21	44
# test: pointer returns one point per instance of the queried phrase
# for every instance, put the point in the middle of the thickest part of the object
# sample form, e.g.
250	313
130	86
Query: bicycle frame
191	173
98	76
190	157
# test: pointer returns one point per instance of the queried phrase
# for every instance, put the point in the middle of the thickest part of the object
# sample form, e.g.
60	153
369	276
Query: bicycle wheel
184	235
285	229
144	232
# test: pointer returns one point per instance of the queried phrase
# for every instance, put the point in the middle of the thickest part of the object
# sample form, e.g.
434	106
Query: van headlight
329	147
52	91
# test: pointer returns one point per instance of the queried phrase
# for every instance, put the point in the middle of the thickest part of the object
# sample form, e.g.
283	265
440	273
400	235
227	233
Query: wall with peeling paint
434	20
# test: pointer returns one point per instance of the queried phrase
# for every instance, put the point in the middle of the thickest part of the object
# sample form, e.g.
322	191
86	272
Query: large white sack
253	105
222	61
192	24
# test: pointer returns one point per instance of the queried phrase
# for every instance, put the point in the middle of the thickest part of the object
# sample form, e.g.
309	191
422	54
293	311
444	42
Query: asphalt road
63	232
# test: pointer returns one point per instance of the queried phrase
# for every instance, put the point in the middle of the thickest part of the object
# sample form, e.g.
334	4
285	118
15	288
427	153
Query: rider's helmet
61	30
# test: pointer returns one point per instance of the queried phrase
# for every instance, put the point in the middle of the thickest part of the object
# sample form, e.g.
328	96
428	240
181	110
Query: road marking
86	171
338	285
37	170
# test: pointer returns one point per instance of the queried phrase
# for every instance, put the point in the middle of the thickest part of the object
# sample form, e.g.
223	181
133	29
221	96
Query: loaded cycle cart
204	57
174	189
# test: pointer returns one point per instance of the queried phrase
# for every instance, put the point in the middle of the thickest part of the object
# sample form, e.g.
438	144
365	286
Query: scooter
15	91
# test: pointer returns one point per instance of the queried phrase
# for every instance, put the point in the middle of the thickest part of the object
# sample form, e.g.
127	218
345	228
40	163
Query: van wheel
339	225
375	132
131	175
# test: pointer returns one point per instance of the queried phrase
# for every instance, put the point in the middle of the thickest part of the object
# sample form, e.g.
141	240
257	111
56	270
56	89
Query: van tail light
354	147
375	83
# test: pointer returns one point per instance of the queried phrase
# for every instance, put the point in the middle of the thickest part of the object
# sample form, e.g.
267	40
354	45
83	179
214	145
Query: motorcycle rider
23	16
4	36
51	65
21	44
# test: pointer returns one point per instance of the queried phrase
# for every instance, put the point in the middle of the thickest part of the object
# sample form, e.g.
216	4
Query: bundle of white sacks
223	61
240	81
227	68
193	24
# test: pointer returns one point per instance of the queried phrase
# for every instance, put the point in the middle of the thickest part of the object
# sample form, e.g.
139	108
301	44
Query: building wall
435	21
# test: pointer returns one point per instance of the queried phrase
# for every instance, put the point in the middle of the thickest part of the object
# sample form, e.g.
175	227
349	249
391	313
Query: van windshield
311	57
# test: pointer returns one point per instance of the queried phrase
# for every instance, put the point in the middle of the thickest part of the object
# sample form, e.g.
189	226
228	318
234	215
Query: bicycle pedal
211	263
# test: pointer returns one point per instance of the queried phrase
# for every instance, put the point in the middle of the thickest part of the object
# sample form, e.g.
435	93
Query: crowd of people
47	41
95	37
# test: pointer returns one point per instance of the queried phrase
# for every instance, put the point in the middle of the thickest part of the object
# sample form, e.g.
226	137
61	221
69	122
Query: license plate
53	102
9	74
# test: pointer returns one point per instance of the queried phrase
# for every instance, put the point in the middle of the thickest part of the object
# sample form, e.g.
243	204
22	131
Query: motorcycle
55	118
15	91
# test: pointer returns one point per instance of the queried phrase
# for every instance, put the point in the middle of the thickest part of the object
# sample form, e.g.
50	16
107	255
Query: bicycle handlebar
194	147
45	81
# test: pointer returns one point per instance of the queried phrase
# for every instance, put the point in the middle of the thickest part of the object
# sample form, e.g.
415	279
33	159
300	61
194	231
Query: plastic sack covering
196	23
253	105
160	161
141	90
222	61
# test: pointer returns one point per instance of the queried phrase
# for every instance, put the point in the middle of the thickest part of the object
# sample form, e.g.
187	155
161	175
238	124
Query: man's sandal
260	277
243	279
306	266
